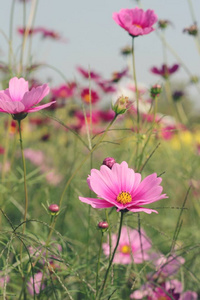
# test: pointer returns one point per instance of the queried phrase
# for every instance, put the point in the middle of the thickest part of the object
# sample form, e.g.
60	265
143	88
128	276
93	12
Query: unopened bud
155	90
121	105
54	209
103	225
109	162
162	24
192	30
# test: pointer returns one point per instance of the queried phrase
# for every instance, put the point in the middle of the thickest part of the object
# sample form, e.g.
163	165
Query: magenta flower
168	266
165	71
88	96
136	21
122	187
132	247
17	99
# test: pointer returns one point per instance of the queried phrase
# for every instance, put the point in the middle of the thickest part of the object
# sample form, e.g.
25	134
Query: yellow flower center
124	197
87	98
139	26
125	249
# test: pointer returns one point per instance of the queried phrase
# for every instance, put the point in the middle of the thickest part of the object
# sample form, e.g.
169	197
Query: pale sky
95	40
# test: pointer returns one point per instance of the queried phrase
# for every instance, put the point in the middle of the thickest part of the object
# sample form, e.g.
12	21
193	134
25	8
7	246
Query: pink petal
40	107
17	88
11	107
138	209
96	203
35	96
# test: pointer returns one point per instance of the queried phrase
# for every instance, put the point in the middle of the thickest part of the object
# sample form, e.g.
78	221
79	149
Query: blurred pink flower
88	96
165	71
167	290
3	279
88	74
45	33
18	99
132	247
107	86
122	187
64	91
36	157
35	284
168	266
116	76
136	21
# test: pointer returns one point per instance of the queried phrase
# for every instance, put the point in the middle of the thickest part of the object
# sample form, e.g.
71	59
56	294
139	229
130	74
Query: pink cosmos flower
136	21
18	99
116	76
122	187
165	71
106	86
86	94
132	247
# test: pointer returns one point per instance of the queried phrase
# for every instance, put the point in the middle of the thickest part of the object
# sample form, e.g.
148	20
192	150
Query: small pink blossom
18	99
132	247
168	266
136	21
122	187
36	157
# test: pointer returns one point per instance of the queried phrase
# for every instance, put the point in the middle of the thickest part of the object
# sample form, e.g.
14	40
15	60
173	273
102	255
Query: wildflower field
100	177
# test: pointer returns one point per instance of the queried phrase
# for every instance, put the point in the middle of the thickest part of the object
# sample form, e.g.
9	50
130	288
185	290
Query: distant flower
3	279
177	95
121	105
88	74
191	30
167	290
165	71
28	31
127	50
35	284
107	86
46	33
136	21
155	90
168	266
116	76
36	157
162	24
122	187
106	115
64	91
17	99
89	95
132	247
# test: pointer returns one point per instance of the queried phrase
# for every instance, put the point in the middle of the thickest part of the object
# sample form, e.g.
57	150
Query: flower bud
162	24
192	30
177	95
109	162
155	90
120	106
126	51
103	225
54	209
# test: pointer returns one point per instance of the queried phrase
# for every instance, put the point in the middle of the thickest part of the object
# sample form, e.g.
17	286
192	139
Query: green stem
98	263
112	258
25	184
136	88
11	35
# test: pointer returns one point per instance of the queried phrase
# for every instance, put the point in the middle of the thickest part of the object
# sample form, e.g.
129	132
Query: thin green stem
98	263
109	233
11	35
25	184
112	258
136	88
